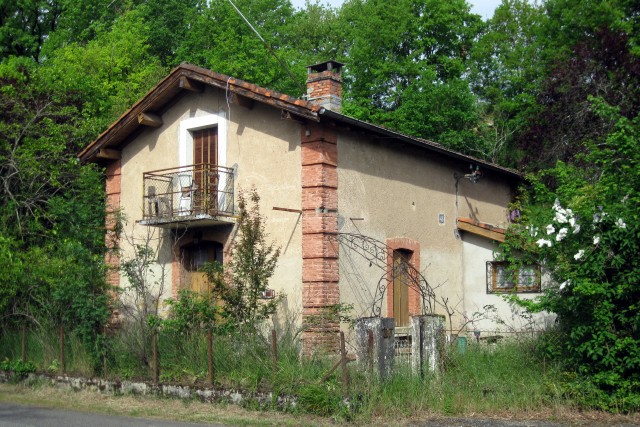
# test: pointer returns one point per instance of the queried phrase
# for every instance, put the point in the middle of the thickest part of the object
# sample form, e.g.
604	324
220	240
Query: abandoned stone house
392	225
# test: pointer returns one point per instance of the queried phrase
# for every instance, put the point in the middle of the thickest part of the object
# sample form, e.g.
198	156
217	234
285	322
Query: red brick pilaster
113	190
111	258
320	290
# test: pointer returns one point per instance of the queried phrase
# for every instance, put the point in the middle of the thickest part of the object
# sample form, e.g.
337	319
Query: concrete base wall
204	394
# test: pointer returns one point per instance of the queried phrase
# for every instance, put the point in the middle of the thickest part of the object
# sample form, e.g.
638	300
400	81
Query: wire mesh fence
248	360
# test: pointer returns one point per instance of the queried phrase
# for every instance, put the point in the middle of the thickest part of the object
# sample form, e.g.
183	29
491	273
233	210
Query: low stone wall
141	388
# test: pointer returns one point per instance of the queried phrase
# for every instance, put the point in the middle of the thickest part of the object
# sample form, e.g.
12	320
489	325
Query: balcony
201	194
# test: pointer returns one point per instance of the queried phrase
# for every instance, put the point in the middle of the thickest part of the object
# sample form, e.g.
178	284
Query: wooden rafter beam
190	85
149	119
109	154
242	101
481	231
287	115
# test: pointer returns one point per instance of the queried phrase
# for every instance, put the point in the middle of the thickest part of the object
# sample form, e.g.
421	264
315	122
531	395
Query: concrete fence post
427	344
379	357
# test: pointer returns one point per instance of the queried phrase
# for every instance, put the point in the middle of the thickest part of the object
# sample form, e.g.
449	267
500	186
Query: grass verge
192	411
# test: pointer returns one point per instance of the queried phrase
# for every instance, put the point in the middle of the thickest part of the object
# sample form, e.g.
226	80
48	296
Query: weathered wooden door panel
205	174
400	288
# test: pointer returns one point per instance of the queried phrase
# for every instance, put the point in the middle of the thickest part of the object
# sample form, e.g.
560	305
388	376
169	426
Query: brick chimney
324	85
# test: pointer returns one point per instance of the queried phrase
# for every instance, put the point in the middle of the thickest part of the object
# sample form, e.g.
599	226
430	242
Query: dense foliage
538	83
582	222
238	288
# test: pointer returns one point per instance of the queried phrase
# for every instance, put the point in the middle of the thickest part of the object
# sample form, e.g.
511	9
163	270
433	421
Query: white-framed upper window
185	137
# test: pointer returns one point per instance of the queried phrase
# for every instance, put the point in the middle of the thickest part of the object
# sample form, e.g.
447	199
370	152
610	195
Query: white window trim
185	138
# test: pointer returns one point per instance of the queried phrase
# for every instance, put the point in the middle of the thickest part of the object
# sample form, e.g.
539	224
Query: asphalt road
13	415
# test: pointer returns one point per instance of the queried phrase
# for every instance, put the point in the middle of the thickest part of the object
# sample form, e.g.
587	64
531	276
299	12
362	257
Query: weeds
484	379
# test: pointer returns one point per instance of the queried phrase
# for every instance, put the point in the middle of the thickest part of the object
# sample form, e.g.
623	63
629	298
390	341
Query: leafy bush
18	367
583	223
253	261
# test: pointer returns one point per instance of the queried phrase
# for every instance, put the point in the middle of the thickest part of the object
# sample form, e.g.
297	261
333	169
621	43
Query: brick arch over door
411	251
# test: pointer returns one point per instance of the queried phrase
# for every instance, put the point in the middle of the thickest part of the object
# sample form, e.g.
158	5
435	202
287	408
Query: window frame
494	269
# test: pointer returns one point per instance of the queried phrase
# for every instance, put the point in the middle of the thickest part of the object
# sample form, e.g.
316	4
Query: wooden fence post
274	350
105	362
343	360
370	353
24	343
62	355
210	354
156	364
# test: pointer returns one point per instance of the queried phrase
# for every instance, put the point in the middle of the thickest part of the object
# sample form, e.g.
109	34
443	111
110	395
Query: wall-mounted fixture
268	294
474	175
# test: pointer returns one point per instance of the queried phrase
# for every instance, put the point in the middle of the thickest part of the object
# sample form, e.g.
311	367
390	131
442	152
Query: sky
483	8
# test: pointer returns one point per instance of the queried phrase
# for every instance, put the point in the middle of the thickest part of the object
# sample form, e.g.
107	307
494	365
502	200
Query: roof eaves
128	116
250	90
423	143
121	127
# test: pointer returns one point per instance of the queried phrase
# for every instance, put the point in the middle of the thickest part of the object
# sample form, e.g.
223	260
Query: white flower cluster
564	219
599	216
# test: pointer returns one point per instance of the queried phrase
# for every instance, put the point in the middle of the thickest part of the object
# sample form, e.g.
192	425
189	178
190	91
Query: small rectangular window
501	277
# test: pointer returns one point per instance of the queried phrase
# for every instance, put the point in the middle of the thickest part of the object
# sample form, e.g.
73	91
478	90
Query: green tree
505	73
80	22
219	39
253	261
25	25
411	56
110	72
51	208
582	222
169	22
313	35
586	51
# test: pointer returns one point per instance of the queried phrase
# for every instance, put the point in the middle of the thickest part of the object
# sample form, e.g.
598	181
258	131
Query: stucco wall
506	319
389	190
263	149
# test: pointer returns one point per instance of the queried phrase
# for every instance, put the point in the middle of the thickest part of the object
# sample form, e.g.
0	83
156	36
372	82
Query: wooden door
400	287
205	160
194	257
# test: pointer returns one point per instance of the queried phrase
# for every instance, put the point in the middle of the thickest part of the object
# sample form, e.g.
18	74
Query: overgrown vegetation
484	379
538	83
240	287
582	222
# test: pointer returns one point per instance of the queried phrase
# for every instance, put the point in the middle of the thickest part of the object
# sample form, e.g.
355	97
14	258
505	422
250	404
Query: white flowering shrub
581	223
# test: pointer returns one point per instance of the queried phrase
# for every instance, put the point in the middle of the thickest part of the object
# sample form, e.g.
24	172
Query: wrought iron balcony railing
182	193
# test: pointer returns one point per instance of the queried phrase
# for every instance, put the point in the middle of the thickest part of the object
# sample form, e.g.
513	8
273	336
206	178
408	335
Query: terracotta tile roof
179	80
173	86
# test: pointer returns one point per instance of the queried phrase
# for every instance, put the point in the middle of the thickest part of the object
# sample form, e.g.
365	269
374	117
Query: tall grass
43	350
484	379
507	377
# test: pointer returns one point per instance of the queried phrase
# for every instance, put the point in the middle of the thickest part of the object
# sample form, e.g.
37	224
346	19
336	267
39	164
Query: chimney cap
325	66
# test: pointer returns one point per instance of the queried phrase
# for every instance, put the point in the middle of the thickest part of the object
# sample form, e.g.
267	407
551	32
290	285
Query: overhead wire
268	46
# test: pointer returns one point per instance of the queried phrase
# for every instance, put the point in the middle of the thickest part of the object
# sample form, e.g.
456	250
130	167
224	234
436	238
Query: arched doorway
194	257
